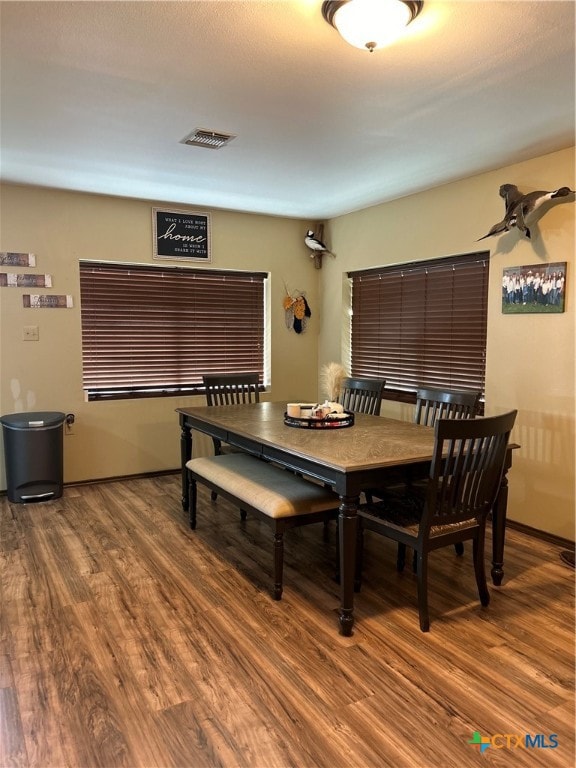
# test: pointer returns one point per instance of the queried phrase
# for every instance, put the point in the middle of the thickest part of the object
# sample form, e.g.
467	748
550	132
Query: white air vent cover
209	139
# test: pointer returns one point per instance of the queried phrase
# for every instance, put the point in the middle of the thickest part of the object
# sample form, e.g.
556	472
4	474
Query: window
150	331
421	324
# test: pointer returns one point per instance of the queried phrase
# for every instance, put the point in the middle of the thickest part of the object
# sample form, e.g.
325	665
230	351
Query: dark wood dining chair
463	483
433	404
229	389
362	395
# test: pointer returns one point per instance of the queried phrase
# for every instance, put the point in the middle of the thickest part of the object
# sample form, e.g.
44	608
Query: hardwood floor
129	640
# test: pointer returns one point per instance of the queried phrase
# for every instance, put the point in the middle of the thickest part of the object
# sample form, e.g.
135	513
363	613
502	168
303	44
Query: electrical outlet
30	333
69	424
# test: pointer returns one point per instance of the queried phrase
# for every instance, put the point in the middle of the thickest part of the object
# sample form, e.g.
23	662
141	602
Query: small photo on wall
536	288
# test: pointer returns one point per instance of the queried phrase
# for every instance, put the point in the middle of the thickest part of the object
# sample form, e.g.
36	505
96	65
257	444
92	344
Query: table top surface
371	442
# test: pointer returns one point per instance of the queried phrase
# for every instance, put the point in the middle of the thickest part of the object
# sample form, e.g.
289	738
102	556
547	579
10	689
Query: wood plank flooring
129	640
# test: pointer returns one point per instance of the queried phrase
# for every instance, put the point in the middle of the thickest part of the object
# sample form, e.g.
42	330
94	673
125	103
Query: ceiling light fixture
370	24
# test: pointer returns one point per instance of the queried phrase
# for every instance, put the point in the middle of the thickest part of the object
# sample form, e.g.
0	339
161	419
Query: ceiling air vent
209	139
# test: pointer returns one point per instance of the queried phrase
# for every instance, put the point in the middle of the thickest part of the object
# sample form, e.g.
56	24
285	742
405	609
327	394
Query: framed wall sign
25	280
46	301
181	235
534	288
17	259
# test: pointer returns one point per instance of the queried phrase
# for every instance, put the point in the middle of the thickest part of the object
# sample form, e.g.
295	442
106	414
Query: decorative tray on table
330	421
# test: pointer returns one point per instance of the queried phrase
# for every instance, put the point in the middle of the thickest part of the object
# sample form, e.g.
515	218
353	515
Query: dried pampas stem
331	377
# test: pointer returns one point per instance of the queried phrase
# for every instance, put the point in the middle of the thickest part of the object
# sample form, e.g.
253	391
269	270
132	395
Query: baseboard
116	479
542	535
120	478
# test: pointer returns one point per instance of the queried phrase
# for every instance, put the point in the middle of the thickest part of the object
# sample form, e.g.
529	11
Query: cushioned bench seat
283	499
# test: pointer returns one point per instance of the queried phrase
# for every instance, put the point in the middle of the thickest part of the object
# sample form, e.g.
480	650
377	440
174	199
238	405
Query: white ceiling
97	96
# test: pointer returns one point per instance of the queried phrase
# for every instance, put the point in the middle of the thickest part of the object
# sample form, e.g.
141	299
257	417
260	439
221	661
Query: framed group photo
536	288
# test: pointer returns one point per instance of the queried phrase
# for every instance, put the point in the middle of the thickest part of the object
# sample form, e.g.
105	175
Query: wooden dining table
348	459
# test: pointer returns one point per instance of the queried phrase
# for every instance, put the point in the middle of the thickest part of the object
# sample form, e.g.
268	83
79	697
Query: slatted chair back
466	471
231	388
362	395
434	404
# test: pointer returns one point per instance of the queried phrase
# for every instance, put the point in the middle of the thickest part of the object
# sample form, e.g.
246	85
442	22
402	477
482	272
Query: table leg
347	524
499	531
185	454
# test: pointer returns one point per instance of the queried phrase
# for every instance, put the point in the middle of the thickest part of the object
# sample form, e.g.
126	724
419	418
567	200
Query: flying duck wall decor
317	248
520	207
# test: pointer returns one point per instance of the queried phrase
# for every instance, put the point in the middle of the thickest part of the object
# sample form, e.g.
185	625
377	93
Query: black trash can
34	455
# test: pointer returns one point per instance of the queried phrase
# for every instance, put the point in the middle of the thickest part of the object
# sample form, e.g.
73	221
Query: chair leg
326	530
278	564
192	501
243	515
401	557
479	568
459	547
422	573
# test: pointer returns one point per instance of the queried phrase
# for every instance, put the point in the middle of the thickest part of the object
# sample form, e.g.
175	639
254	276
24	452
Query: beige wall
130	436
530	359
530	363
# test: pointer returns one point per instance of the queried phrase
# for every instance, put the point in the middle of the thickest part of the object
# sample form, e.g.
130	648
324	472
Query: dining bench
276	495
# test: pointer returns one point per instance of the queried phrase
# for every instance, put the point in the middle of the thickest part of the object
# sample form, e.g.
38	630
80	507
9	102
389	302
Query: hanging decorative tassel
297	311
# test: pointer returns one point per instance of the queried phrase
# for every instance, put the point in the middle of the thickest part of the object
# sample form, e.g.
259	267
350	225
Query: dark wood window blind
149	331
421	324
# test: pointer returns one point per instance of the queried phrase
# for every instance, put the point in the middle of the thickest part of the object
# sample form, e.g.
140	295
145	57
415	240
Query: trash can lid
33	419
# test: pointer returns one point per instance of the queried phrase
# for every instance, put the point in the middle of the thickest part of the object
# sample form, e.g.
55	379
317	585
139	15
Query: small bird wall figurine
317	248
520	207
